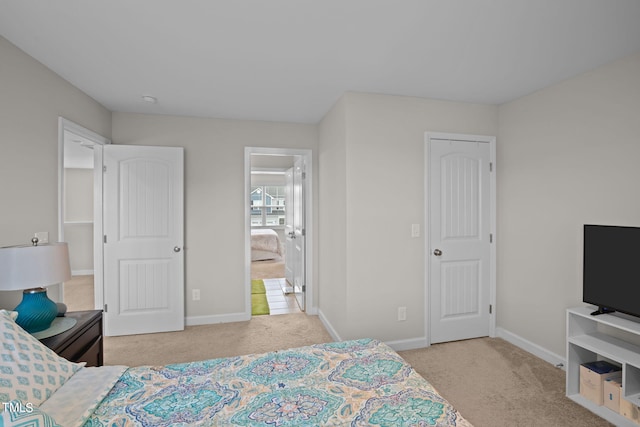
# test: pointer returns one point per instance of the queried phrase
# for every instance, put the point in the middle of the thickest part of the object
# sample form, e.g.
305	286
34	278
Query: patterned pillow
29	370
18	414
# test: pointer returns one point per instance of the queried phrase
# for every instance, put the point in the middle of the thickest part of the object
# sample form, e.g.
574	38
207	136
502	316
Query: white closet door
143	249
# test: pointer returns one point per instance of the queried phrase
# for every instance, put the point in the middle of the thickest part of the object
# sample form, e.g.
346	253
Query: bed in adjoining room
352	383
265	244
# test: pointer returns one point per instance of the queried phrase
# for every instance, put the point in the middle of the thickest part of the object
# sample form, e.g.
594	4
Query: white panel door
295	260
299	239
459	215
290	262
143	227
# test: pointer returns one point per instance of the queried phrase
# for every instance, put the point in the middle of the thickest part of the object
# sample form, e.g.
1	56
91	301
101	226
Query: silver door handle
292	234
176	249
437	252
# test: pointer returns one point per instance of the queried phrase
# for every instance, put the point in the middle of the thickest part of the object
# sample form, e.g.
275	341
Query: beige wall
33	97
214	195
379	148
332	207
567	155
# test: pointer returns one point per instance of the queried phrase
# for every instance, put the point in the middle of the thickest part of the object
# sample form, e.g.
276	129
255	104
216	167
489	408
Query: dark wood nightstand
83	342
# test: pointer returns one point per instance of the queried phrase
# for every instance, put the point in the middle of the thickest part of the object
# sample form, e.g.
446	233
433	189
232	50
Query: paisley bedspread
351	383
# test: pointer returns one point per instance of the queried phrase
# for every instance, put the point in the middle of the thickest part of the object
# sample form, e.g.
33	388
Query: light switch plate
42	236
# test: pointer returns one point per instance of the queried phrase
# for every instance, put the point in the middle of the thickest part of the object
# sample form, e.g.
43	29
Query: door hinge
304	288
105	308
104	169
104	240
490	237
304	175
303	232
490	309
490	166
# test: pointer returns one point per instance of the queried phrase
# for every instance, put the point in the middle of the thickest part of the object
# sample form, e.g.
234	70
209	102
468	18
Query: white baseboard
81	272
216	318
398	345
408	344
532	348
327	324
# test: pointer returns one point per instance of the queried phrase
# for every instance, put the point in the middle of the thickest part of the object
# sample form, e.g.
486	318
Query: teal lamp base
36	311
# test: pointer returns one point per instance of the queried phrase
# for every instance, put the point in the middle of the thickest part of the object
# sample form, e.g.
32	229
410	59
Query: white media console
604	337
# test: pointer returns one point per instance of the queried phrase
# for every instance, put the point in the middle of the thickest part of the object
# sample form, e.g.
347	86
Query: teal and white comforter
352	383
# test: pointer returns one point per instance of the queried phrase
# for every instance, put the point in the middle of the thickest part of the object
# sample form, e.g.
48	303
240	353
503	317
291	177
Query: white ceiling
290	60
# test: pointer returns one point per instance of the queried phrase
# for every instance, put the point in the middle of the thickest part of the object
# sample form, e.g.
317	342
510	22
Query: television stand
603	310
611	338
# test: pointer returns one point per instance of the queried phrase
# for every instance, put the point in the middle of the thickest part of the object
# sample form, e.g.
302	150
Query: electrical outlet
402	314
195	294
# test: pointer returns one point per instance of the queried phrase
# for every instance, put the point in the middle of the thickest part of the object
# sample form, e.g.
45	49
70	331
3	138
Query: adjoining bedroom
272	206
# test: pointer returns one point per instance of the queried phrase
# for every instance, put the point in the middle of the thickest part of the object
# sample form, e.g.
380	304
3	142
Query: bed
265	244
352	383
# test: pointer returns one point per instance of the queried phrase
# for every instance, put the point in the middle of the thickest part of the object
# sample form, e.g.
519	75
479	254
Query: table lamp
31	268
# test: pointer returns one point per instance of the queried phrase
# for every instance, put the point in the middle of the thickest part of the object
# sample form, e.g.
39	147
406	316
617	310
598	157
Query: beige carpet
492	382
268	269
259	335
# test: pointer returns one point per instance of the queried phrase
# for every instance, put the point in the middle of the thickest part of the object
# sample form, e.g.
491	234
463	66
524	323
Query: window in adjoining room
267	205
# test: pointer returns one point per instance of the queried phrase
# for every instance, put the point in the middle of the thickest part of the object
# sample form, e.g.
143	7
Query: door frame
68	125
428	136
308	191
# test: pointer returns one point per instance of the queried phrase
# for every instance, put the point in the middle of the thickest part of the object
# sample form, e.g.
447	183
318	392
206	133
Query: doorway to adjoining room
271	228
76	207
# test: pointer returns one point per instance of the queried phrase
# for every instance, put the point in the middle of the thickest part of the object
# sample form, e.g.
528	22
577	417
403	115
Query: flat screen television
611	268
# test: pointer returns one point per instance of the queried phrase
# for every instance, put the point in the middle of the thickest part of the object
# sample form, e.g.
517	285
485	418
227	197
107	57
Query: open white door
289	262
460	256
299	233
295	231
299	238
143	239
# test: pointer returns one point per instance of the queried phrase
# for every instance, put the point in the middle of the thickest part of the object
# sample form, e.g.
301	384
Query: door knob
437	252
176	249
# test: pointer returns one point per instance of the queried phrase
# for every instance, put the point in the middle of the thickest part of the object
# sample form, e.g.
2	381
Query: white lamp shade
26	267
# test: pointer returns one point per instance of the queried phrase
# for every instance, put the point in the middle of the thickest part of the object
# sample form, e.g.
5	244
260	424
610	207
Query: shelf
603	411
634	398
604	337
615	320
609	347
